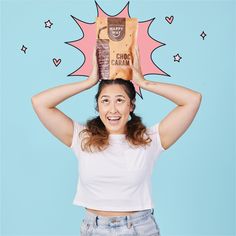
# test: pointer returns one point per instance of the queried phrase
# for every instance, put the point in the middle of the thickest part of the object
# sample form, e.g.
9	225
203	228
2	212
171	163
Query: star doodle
48	24
203	35
23	48
177	57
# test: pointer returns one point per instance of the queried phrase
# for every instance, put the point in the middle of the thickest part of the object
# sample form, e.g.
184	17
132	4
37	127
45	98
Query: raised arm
44	104
179	119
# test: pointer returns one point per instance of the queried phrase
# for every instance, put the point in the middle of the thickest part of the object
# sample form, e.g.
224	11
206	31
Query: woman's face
114	107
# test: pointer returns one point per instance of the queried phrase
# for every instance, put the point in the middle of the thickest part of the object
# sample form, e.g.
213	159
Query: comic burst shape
146	44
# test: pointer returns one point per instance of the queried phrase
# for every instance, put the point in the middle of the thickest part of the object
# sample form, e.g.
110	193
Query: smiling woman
117	154
115	103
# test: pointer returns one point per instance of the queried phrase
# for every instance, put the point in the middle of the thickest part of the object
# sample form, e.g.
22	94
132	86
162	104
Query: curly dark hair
97	137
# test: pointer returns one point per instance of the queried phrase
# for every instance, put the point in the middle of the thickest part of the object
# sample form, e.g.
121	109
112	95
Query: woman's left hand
136	69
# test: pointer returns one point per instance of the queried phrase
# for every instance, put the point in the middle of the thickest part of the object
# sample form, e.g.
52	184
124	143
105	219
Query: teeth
114	118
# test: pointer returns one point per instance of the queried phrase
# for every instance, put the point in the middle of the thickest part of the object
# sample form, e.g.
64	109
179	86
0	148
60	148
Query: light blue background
193	181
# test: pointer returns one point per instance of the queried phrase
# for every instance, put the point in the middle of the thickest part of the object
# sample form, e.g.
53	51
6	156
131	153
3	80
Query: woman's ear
96	108
132	105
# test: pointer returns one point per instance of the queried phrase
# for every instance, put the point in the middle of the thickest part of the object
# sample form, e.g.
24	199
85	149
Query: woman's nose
113	107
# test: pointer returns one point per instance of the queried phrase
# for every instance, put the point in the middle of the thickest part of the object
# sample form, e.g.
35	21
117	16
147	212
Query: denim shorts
140	223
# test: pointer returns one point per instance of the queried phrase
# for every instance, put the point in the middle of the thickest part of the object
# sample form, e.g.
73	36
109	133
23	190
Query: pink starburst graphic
146	44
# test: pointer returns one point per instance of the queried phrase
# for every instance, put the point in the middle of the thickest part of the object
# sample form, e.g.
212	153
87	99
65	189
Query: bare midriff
110	213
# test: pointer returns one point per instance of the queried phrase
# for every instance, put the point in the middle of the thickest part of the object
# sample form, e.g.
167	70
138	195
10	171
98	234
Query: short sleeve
156	136
77	128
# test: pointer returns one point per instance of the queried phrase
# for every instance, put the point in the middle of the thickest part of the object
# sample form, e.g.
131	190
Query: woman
116	151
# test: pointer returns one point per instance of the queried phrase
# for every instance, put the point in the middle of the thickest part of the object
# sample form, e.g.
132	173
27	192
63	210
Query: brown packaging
116	40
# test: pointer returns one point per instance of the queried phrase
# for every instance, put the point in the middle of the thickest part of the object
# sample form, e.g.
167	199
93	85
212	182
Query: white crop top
118	178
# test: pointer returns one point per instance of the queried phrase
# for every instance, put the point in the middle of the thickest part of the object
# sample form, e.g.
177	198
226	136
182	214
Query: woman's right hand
94	76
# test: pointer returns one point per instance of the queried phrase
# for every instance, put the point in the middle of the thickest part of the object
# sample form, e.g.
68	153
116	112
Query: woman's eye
105	101
120	100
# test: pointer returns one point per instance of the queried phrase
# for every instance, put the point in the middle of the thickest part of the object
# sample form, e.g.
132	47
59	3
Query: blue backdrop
193	181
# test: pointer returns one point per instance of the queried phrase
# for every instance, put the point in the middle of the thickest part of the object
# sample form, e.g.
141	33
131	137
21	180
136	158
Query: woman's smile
113	120
114	108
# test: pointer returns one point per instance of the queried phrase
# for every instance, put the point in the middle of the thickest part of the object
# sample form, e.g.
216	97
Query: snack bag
116	40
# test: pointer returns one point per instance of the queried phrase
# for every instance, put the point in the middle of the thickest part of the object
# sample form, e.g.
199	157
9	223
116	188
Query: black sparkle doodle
23	48
203	35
